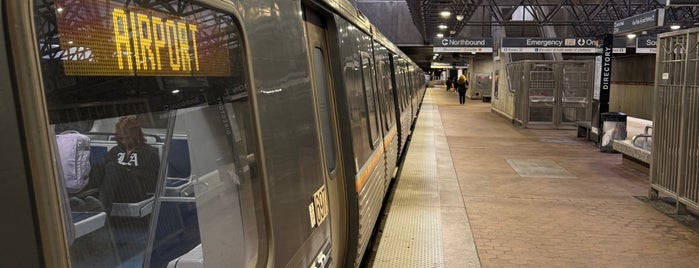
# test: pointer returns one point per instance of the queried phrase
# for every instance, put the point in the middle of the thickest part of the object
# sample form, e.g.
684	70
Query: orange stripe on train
363	174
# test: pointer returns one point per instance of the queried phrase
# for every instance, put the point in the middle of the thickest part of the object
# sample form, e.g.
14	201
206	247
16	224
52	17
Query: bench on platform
633	155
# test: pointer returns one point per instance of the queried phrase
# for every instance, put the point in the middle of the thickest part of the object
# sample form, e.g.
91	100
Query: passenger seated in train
129	172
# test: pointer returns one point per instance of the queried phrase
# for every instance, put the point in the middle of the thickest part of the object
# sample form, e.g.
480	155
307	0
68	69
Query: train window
153	97
326	112
368	79
386	94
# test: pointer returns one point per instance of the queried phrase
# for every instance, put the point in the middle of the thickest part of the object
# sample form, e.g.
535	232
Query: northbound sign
460	45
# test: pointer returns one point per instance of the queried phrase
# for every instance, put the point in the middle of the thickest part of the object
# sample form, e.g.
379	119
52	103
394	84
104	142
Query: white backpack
74	152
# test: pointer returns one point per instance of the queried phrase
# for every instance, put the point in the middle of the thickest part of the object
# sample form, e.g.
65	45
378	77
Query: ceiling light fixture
445	14
459	17
439	35
675	27
442	26
631	36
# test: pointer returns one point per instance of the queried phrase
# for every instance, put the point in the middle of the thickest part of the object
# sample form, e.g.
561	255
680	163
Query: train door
326	111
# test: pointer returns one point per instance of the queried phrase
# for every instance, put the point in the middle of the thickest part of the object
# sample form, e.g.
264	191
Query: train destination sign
461	45
550	45
645	21
137	42
646	44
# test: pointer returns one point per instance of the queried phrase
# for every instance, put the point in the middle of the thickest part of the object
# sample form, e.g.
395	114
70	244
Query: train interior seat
87	222
212	172
81	222
192	259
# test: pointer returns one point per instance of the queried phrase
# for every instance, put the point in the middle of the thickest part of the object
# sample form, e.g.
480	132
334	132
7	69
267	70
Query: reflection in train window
154	139
368	78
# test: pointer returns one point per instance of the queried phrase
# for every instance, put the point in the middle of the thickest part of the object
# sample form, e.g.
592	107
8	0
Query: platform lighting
439	35
442	26
60	9
445	14
175	91
459	17
631	36
675	27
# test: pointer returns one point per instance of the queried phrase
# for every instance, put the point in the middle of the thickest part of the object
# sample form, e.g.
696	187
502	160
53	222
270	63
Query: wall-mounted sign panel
619	45
682	3
460	45
646	44
645	21
550	45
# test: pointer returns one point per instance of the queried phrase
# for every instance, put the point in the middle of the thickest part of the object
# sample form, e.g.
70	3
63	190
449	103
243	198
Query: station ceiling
517	18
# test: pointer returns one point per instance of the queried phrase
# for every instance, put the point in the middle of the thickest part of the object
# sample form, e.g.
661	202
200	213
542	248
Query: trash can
613	128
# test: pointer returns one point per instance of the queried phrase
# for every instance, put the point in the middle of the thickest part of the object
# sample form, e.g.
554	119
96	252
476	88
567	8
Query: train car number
318	209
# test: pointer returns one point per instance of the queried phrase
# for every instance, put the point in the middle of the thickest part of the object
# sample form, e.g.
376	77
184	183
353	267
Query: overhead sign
441	65
116	41
619	45
550	45
646	44
645	21
682	3
461	45
444	65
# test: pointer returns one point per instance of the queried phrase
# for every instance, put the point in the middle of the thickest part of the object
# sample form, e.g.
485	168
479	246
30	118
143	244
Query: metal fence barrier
675	157
551	94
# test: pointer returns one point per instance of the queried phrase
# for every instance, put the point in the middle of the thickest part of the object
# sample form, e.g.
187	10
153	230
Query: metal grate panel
674	168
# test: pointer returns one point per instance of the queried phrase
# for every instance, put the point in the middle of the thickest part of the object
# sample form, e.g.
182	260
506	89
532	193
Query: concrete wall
632	89
479	64
503	102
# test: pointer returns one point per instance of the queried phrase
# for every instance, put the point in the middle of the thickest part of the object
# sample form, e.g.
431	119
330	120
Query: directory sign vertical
606	75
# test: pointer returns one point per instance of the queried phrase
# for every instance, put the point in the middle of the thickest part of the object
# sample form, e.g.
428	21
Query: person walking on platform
448	83
462	86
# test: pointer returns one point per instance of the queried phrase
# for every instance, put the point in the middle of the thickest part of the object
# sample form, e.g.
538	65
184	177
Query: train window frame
236	94
385	89
323	87
370	98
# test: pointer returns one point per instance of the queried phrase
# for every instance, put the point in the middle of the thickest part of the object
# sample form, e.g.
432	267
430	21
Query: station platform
476	191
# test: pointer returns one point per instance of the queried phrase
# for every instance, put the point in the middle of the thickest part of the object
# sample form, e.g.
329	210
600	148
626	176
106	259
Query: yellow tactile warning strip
427	225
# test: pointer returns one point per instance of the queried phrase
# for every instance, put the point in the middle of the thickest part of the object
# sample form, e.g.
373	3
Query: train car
219	133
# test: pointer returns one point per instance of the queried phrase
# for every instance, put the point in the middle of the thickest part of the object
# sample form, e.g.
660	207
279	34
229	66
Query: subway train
276	129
